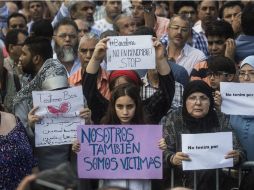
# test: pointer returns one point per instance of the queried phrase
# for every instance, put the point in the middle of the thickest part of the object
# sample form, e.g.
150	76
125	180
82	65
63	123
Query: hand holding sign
179	157
97	57
32	118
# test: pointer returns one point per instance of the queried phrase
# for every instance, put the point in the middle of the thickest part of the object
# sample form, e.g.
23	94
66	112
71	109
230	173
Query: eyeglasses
187	13
216	74
195	99
250	74
64	35
183	29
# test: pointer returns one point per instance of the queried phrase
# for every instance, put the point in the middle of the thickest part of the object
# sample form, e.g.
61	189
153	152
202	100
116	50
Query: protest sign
207	150
60	112
130	53
237	98
120	152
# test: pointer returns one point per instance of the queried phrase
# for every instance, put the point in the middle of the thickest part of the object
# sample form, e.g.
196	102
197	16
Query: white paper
207	150
237	98
60	112
130	53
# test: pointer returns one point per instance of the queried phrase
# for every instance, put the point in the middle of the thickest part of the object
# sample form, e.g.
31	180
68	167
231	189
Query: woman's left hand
162	144
86	113
233	154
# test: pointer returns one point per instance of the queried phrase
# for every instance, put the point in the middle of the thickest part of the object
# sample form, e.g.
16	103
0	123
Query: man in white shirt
207	12
178	49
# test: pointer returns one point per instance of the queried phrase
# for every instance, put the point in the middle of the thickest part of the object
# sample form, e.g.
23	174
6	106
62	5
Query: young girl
125	107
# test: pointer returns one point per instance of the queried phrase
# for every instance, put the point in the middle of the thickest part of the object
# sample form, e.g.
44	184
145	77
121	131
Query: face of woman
246	74
197	104
125	109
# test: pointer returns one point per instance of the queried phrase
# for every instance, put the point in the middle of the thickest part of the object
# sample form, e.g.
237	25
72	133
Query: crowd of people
51	45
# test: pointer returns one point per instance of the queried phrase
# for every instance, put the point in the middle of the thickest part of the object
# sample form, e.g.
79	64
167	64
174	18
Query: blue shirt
244	47
244	129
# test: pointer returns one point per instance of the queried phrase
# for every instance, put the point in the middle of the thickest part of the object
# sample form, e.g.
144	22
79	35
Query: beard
29	69
66	54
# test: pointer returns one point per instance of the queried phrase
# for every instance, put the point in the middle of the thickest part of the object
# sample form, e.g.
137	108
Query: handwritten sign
120	152
207	150
237	98
130	53
60	112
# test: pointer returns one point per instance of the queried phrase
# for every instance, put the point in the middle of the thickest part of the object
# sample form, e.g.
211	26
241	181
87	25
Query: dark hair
179	4
112	82
39	46
124	90
229	4
15	15
65	21
42	28
108	33
221	63
144	30
216	3
247	19
12	37
219	28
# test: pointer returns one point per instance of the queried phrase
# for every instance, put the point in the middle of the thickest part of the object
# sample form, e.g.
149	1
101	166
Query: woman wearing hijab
197	115
243	124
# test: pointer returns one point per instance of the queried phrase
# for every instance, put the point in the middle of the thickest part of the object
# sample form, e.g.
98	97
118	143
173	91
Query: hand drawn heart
63	108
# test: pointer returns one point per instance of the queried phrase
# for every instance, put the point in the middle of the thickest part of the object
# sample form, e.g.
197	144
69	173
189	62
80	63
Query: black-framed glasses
216	74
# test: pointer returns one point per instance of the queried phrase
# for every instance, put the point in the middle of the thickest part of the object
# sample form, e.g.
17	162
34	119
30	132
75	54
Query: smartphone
40	184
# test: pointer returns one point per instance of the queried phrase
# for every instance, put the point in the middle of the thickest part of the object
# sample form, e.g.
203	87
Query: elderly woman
197	115
243	124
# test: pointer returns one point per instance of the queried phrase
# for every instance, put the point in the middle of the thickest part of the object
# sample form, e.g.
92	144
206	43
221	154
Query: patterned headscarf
52	75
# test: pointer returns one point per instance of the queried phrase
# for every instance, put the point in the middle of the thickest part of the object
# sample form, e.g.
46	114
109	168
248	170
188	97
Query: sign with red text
120	152
60	112
130	53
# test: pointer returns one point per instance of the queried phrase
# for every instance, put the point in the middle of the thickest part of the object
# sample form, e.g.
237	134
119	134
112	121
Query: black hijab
210	120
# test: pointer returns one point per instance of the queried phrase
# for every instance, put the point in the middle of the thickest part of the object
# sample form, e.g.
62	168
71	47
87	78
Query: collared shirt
189	56
148	90
75	67
198	42
198	28
102	81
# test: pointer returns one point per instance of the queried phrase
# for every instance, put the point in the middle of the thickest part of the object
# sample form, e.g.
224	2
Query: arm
160	102
62	13
97	57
